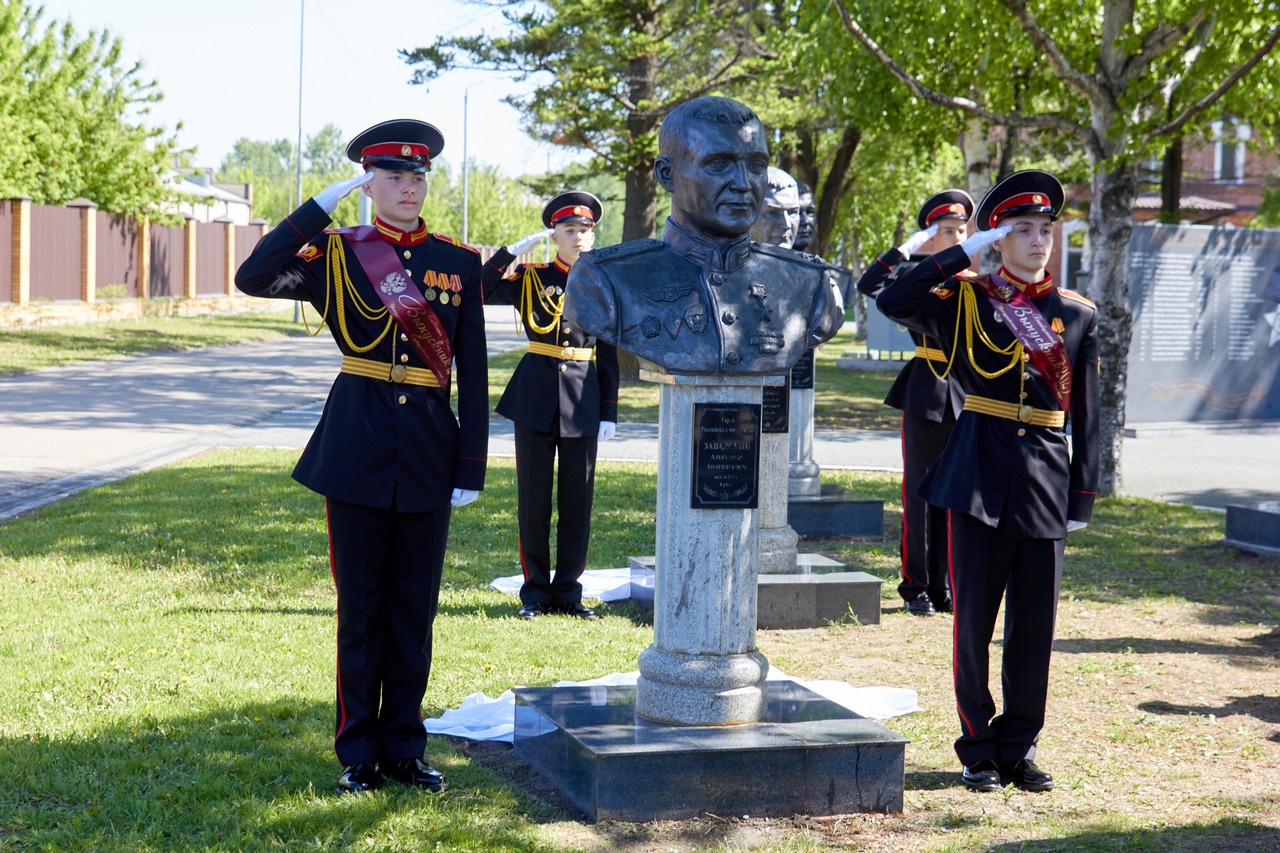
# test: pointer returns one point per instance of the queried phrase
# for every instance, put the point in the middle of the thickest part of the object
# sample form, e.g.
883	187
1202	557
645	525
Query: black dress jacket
917	390
546	392
382	444
1027	480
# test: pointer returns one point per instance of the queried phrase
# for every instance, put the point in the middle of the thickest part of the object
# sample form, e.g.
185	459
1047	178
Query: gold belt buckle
398	372
1024	414
566	353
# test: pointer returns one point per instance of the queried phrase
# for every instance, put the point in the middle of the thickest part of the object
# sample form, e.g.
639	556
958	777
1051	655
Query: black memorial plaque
802	372
1206	324
726	455
775	415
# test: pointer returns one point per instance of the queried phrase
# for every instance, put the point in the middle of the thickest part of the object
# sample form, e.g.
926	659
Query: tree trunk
976	145
827	195
1110	226
1171	181
640	207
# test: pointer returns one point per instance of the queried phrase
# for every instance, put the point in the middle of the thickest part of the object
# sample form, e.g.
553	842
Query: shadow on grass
1265	709
250	776
327	612
1147	646
1228	835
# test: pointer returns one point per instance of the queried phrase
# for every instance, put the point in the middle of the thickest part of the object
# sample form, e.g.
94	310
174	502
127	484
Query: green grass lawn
168	649
27	349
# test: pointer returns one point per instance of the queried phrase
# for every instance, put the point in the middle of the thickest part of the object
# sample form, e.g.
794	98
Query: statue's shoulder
622	251
791	256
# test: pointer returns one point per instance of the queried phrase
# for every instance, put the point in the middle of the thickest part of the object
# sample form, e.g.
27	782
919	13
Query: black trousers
386	568
986	566
923	548
575	487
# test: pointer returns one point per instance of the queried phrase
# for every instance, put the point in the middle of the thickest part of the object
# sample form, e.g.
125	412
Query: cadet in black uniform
561	401
389	456
1026	354
930	399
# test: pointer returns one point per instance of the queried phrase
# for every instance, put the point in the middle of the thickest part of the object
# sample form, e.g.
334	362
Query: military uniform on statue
388	454
930	399
563	399
1014	482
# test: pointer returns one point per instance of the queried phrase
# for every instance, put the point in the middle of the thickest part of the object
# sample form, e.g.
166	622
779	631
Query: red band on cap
1019	200
944	210
572	210
395	149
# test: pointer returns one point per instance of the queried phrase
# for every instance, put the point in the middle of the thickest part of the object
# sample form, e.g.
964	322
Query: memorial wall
1206	332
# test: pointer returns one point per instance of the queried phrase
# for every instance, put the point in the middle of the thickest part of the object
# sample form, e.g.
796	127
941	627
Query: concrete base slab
1254	528
808	756
818	592
831	513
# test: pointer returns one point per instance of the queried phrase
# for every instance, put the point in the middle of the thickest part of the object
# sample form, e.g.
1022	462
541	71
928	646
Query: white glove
1073	526
608	429
329	197
980	239
520	247
918	239
462	497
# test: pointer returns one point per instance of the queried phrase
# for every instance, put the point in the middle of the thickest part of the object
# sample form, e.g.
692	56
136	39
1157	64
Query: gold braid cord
532	285
969	308
340	284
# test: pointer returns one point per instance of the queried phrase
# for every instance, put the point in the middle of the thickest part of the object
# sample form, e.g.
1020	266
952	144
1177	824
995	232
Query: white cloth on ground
481	717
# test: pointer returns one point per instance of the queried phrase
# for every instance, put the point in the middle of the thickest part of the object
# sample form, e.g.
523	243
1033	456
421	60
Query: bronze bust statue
808	218
705	299
779	220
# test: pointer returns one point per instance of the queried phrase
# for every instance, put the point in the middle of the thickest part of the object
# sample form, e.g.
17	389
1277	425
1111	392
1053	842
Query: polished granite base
820	591
832	513
811	756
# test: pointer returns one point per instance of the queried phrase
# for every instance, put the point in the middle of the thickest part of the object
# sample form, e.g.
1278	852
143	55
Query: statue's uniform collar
706	254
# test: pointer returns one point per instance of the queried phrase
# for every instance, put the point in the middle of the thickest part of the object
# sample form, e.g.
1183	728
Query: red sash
1020	315
396	289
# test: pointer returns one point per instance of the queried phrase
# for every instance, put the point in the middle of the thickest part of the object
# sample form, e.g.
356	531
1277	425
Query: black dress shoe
358	778
532	610
416	773
982	776
921	606
942	604
1026	775
578	611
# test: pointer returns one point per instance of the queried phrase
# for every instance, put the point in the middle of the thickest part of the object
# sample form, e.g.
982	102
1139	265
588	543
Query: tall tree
66	102
1100	71
608	72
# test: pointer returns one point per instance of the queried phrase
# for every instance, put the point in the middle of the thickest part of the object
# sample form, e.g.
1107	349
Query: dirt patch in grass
1163	734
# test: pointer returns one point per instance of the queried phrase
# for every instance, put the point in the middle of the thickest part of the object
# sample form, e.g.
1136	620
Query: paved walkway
70	428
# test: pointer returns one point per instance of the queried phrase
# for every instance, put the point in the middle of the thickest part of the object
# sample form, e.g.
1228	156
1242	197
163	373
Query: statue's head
714	161
780	214
808	218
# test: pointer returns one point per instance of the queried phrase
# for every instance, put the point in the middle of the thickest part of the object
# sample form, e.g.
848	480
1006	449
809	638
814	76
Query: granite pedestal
833	513
1254	528
703	667
807	755
816	592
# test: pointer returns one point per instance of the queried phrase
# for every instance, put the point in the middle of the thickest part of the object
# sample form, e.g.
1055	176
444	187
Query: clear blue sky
230	69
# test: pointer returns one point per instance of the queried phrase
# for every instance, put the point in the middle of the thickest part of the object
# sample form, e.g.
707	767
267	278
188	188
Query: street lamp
466	186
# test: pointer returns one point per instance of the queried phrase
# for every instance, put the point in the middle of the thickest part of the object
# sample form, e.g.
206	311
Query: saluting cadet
561	401
930	399
388	454
1015	483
